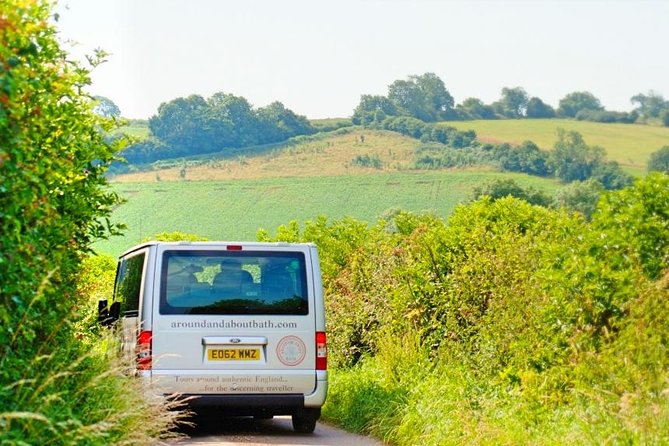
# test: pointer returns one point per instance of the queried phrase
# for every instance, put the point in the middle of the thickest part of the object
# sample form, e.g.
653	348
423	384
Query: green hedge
57	385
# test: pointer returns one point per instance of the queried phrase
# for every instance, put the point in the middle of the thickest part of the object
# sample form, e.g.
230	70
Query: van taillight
321	351
144	350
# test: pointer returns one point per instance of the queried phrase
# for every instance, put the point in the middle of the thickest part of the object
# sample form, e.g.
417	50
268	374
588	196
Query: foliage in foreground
57	386
507	324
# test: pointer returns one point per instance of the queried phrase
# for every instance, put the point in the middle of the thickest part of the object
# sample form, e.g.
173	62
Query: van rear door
234	320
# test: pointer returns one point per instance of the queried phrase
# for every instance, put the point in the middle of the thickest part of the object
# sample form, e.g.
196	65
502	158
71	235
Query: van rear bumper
249	401
315	399
255	402
246	405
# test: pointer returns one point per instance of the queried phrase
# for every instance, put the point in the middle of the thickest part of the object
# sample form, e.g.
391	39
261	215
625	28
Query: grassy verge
79	390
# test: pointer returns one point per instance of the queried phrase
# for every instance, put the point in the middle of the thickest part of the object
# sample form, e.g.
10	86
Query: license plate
233	354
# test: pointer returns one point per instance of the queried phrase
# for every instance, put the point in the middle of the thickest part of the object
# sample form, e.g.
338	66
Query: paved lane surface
217	431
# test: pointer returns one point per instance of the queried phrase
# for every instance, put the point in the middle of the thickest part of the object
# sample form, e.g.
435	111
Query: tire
304	420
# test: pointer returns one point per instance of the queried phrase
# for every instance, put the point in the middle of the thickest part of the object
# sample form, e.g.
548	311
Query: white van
240	326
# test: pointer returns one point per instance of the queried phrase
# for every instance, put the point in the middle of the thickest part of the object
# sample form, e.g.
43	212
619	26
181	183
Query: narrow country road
216	431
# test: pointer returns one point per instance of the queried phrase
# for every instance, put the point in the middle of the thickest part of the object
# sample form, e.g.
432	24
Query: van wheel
304	420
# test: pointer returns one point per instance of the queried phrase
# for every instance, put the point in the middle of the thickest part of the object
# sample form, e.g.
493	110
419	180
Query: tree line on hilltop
224	122
426	97
194	125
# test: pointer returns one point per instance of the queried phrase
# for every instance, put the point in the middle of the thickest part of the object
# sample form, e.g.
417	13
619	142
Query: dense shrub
426	132
149	150
637	222
526	158
501	188
367	161
611	175
441	156
330	125
659	161
607	116
579	196
508	323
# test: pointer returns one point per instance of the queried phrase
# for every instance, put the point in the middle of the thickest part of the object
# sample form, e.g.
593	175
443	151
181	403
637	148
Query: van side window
129	284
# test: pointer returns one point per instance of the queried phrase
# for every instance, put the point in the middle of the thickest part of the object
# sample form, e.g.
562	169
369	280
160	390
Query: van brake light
234	247
321	351
144	350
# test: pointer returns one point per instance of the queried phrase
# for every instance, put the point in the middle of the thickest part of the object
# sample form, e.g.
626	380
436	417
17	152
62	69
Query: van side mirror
115	311
107	315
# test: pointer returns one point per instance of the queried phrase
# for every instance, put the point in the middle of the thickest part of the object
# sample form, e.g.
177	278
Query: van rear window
233	282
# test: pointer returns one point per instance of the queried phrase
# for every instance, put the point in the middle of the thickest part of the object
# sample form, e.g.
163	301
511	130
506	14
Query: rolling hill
231	196
330	154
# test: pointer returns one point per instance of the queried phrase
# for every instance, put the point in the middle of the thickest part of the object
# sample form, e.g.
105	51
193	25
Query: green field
629	144
136	128
235	210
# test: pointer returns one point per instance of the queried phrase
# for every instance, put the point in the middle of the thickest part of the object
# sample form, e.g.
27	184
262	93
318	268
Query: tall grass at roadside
80	391
77	398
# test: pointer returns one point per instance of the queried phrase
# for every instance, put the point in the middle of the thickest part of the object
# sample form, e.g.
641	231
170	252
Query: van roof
212	244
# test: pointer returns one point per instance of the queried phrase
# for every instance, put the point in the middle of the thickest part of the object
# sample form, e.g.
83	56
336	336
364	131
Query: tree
437	97
649	105
659	161
106	107
238	113
574	102
424	97
185	123
526	158
474	108
406	95
369	107
665	118
572	159
536	108
277	123
193	125
513	103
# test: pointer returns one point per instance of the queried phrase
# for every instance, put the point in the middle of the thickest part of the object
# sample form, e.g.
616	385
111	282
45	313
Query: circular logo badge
291	350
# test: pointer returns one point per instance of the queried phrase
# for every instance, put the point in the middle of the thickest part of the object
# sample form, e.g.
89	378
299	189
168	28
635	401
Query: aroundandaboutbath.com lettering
231	323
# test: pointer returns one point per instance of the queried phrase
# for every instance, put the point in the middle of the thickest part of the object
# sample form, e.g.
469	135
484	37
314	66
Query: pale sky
319	56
